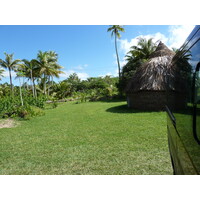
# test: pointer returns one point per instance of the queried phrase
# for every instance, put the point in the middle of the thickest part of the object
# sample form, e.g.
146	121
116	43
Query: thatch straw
152	74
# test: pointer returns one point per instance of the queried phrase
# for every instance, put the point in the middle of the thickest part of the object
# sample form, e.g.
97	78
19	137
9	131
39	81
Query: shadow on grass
112	100
124	109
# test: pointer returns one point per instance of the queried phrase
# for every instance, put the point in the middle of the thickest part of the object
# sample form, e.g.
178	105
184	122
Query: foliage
91	89
47	66
54	104
11	107
1	72
5	90
36	83
9	64
137	55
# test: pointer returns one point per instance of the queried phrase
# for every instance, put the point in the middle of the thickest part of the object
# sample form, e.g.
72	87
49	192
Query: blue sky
87	50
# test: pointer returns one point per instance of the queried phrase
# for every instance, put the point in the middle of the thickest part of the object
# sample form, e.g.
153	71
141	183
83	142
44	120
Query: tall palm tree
53	71
115	29
1	73
42	62
48	66
9	64
30	70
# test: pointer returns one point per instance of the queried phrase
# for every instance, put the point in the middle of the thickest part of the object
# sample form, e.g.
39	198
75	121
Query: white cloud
116	72
80	67
178	34
125	44
113	74
107	74
81	75
175	37
6	74
122	62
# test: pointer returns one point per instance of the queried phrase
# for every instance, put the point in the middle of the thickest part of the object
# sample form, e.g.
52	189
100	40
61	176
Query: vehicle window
197	102
185	96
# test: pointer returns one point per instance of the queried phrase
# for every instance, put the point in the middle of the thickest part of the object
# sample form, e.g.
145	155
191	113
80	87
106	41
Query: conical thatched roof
152	74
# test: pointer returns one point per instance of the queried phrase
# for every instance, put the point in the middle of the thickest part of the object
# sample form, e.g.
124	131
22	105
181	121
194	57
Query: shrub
35	111
54	104
38	102
11	107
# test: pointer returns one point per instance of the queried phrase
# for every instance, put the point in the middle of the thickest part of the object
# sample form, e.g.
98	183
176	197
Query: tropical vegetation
37	79
11	65
27	98
137	55
37	86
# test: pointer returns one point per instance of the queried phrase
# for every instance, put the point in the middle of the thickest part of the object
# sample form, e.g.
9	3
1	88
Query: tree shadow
124	109
112	100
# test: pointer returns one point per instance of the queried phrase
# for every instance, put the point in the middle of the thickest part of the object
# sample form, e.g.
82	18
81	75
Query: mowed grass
87	138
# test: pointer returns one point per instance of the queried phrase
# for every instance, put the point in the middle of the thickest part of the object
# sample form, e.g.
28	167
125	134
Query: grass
87	138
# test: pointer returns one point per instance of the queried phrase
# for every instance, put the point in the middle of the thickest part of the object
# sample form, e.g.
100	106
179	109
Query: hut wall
156	100
147	100
176	100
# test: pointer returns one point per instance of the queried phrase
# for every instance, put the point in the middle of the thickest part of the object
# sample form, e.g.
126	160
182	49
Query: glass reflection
184	98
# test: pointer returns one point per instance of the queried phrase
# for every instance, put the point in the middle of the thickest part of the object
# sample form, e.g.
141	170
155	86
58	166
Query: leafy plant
11	107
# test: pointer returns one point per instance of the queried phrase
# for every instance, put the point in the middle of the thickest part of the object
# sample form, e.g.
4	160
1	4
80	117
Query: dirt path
7	123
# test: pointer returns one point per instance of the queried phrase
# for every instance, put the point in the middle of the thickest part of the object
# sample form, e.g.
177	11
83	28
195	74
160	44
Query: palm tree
143	49
9	64
139	54
136	57
174	49
48	66
115	29
55	67
1	73
42	62
30	70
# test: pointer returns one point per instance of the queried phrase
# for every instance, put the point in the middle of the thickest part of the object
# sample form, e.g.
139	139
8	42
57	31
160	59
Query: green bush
11	107
38	102
54	104
35	111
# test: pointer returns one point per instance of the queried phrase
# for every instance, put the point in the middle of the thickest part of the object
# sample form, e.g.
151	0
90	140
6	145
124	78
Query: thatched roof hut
147	88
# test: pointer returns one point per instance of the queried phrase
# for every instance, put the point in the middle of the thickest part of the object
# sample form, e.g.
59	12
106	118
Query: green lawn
87	138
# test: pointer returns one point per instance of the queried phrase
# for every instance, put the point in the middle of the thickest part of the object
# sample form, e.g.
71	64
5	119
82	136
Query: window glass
186	95
197	104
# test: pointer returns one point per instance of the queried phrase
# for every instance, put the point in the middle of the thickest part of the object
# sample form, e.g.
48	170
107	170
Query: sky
87	50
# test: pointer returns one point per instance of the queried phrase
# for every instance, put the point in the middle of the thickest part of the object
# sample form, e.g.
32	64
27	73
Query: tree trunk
51	80
11	85
34	88
20	91
32	83
44	85
117	57
48	84
120	90
24	84
27	86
